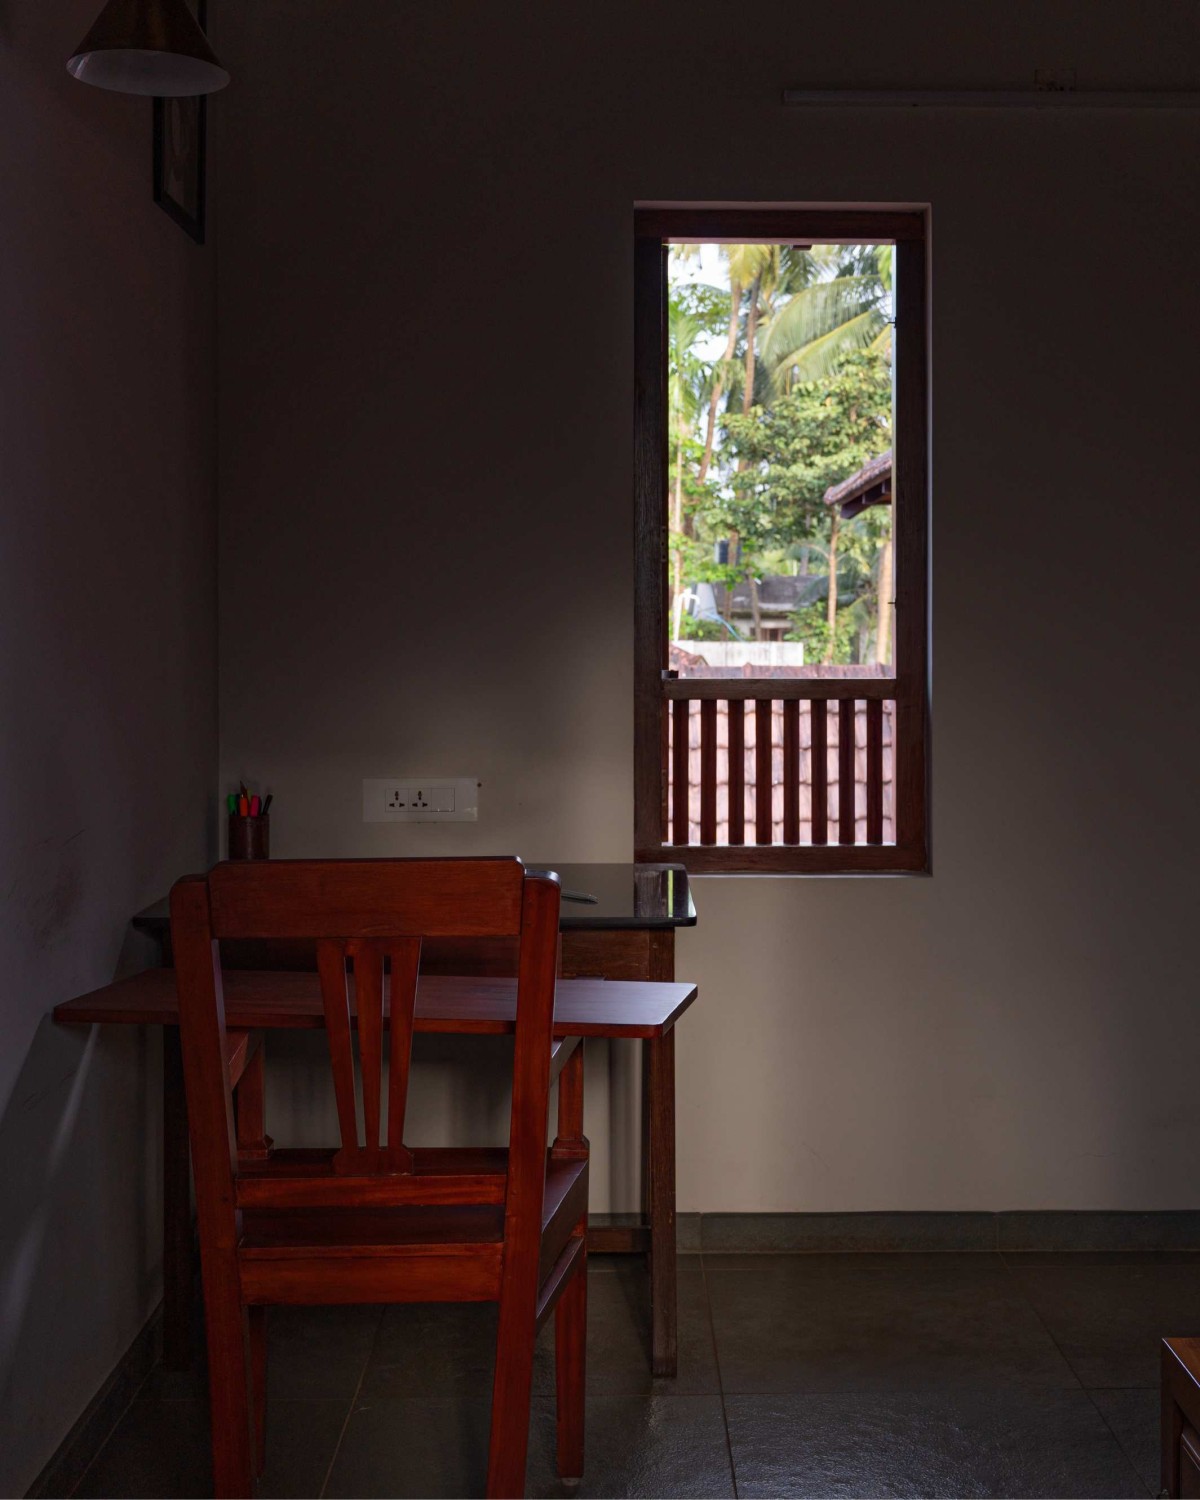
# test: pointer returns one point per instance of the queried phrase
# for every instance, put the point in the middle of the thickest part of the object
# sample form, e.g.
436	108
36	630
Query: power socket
421	799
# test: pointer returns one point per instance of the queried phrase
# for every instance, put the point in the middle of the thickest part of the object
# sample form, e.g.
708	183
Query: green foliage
815	436
819	349
704	630
811	626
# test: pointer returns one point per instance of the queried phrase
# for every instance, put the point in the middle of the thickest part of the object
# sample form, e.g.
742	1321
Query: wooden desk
627	932
626	935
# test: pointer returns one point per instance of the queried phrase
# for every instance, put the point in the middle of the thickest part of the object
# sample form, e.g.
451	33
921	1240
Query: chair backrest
374	914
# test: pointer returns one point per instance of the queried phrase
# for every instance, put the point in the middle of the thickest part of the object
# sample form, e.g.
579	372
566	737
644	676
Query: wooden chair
1181	1419
373	1220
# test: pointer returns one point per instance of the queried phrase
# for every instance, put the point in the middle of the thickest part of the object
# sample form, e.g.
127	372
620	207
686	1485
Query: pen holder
249	838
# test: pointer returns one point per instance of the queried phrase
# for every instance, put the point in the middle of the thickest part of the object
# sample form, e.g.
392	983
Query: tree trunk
677	527
751	331
747	402
735	307
755	606
831	602
883	633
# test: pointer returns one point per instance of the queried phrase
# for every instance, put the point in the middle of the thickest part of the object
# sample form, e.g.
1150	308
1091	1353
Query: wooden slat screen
794	772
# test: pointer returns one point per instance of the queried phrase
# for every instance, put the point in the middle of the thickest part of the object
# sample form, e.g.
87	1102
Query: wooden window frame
654	690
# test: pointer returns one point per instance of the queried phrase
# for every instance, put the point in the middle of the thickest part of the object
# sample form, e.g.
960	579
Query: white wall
426	388
107	700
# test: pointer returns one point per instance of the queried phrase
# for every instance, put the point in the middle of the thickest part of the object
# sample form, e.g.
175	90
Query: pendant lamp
148	47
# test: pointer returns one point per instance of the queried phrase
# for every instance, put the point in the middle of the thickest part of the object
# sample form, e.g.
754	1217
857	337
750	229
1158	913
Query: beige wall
107	700
425	360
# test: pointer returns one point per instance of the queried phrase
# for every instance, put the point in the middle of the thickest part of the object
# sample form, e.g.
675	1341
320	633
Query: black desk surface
628	898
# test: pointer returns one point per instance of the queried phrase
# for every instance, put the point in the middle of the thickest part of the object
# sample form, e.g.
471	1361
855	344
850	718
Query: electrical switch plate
421	799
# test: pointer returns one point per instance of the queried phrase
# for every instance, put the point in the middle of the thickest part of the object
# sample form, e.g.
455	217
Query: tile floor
978	1374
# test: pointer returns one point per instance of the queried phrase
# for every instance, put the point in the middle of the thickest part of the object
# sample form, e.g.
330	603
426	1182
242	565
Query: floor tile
318	1352
618	1351
1135	1418
161	1448
1012	1443
1109	1320
442	1349
782	1325
433	1349
413	1446
635	1445
655	1445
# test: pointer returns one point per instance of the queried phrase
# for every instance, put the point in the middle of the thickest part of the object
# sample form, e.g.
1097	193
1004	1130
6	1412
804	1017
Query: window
781	514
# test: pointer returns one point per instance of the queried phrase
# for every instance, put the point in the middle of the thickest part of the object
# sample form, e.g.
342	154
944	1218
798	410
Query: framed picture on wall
180	131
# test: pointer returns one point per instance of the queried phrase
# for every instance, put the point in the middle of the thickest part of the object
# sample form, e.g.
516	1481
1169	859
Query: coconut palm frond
820	357
815	312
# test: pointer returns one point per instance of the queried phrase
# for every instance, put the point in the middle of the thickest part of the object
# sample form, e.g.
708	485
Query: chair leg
258	1383
508	1445
229	1380
570	1365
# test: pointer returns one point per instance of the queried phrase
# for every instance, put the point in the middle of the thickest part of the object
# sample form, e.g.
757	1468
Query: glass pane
780	504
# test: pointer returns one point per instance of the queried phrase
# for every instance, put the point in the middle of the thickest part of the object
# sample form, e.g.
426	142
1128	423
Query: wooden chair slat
368	995
405	964
331	970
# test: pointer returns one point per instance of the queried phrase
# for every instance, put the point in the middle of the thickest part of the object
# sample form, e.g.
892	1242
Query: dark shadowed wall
426	397
107	699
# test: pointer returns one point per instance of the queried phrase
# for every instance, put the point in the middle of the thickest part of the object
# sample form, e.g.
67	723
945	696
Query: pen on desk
243	806
231	802
255	805
266	807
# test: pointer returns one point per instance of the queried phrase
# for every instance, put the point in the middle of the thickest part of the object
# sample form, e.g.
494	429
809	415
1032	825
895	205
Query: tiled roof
856	493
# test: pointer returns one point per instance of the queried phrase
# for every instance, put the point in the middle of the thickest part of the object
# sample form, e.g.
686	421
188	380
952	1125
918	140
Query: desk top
628	898
263	998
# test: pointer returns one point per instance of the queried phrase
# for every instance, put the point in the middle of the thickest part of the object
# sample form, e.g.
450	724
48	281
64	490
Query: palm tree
844	308
688	384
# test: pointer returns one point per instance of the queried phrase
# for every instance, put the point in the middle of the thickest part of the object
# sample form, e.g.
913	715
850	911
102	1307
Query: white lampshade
148	47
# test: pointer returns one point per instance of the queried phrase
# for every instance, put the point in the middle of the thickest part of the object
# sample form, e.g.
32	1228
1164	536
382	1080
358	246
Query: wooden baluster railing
846	771
708	770
874	771
763	787
679	770
737	771
819	769
791	771
695	798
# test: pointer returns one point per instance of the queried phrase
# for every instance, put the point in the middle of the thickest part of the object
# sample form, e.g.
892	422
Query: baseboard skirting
1013	1230
88	1435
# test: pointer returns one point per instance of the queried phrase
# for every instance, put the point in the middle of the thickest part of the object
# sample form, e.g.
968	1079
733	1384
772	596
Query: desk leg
660	1104
177	1209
